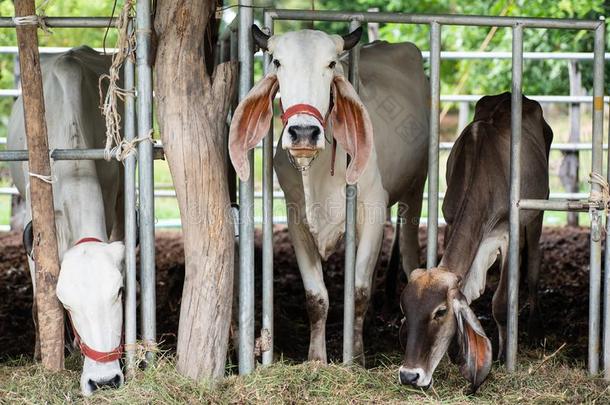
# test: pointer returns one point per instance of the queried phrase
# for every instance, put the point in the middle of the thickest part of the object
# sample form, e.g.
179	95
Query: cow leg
316	294
409	211
534	256
500	301
369	246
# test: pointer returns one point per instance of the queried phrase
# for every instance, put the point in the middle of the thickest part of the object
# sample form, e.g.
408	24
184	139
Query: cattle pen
235	44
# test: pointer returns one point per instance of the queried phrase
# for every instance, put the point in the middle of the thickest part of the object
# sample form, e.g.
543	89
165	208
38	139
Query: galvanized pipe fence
140	87
240	46
435	22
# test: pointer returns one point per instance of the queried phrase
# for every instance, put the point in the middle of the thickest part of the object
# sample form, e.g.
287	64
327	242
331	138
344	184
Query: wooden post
50	310
568	171
192	105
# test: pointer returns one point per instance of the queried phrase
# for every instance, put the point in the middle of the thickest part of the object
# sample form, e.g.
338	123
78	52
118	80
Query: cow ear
28	239
473	351
352	127
250	123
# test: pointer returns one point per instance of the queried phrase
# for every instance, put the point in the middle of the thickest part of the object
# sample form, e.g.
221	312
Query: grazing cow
436	303
324	121
88	208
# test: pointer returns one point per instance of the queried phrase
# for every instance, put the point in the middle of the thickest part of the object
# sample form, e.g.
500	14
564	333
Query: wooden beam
50	311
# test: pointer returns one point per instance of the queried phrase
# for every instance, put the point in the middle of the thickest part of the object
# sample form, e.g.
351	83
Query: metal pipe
268	227
433	151
515	192
145	175
246	206
606	303
231	175
554	205
65	154
351	203
463	55
68	22
443	19
130	222
594	212
453	98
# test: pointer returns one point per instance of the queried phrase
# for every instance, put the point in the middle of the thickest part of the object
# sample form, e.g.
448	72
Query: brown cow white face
437	318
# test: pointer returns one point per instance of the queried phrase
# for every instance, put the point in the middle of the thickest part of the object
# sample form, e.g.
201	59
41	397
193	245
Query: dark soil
563	296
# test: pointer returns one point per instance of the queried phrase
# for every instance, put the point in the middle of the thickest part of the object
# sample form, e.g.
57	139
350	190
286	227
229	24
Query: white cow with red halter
88	209
384	130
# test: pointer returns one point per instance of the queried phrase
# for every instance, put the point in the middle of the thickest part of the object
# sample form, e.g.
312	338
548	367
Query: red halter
314	112
88	351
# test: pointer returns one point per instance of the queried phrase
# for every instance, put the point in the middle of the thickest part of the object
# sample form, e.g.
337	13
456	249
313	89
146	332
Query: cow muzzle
415	377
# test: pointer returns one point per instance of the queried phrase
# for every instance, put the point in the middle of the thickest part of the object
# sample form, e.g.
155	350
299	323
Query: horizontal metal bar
67	154
541	99
443	19
49	50
468	55
554	205
67	22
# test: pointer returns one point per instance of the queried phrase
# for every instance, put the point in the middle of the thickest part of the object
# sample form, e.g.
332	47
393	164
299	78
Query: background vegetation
478	76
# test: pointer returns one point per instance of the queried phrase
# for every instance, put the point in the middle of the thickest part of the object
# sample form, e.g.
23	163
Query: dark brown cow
436	303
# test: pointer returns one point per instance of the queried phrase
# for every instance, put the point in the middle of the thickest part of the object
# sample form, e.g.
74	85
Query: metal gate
595	205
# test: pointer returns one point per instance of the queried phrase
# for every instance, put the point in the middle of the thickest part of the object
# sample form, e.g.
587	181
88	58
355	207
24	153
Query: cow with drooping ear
383	130
88	201
436	303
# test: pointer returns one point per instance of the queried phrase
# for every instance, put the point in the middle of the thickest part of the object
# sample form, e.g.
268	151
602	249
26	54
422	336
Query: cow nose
114	382
408	377
304	133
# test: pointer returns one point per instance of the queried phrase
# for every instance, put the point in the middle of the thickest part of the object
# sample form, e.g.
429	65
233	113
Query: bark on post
192	106
50	312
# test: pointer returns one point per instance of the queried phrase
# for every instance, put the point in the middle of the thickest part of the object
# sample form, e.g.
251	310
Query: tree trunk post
192	105
50	310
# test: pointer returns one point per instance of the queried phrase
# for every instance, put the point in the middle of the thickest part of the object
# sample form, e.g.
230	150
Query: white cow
88	208
319	104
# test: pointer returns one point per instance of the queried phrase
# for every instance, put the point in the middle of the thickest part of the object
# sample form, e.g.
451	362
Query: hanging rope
601	196
110	102
37	19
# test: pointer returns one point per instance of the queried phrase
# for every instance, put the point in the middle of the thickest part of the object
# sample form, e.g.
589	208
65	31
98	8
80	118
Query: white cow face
314	93
305	63
90	287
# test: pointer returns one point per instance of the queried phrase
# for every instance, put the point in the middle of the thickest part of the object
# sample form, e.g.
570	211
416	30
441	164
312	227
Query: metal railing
435	22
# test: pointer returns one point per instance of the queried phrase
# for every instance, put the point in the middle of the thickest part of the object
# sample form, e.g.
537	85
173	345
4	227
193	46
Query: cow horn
260	38
350	40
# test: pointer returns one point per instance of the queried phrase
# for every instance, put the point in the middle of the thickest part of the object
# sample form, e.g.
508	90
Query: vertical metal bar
606	334
231	175
130	221
435	102
351	196
594	212
268	227
145	175
515	192
246	206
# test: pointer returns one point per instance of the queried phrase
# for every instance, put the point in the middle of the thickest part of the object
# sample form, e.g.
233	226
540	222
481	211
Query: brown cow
436	303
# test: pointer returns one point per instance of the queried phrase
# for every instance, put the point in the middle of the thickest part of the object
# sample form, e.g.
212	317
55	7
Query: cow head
90	286
437	318
314	93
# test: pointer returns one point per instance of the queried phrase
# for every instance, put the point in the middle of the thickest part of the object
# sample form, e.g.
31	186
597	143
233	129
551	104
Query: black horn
260	38
350	40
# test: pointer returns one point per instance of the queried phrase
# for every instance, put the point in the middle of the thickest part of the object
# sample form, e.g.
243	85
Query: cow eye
332	65
276	63
440	313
